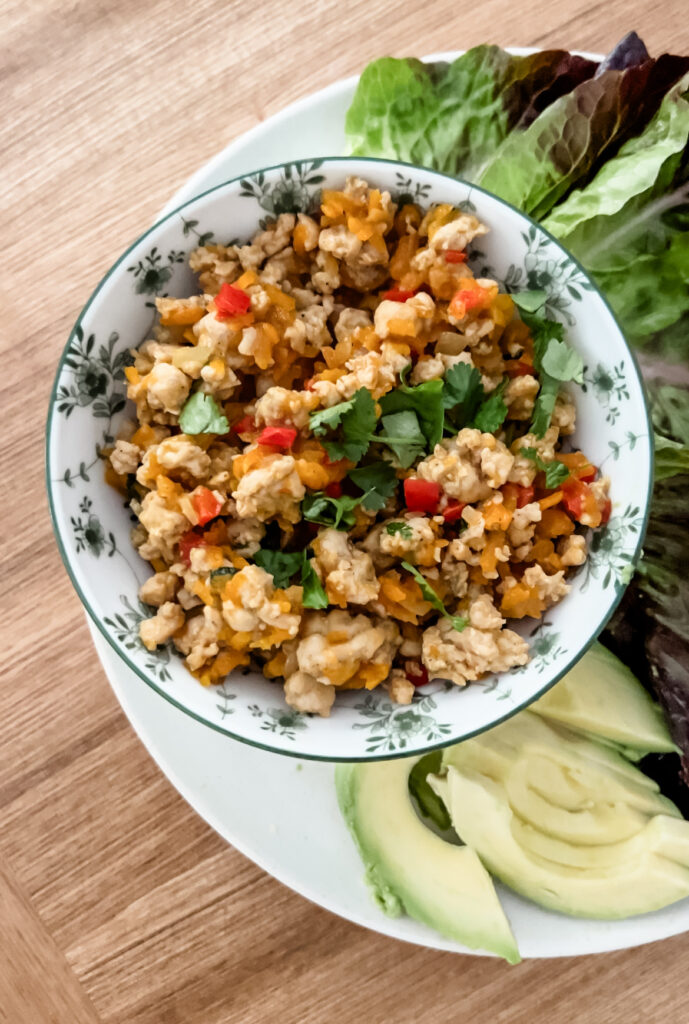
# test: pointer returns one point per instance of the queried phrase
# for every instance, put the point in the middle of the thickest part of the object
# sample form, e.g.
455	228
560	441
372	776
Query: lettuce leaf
630	225
572	138
452	117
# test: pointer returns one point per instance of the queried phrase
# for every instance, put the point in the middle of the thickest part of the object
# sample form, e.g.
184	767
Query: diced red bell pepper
519	494
247	425
588	478
421	495
206	505
278	437
231	301
334	490
579	500
416	673
188	541
308	384
398	294
453	511
455	256
465	299
605	512
518	368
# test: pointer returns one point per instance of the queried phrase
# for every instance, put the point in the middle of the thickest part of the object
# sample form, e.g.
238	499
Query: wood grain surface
117	903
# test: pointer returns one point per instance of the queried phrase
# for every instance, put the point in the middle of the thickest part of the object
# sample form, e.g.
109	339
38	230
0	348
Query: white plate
299	836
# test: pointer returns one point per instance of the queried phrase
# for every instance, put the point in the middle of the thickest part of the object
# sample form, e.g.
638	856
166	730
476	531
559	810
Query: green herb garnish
356	420
378	480
403	529
319	507
282	565
555	471
314	596
555	361
401	432
426	400
430	595
219	577
492	411
201	414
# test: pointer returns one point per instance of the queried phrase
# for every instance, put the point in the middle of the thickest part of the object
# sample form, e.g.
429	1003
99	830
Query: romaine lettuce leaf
629	226
452	117
567	143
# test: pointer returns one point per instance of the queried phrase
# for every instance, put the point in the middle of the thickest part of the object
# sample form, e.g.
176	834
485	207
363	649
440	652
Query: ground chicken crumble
239	521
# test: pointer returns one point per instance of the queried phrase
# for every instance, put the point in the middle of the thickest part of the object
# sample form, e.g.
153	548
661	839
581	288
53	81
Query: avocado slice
601	697
650	870
411	869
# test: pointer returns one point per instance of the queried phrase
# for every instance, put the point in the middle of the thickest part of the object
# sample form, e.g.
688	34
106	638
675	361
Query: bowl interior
92	524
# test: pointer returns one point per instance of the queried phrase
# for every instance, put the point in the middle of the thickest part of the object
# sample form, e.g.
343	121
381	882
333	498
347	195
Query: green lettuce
567	143
452	117
630	225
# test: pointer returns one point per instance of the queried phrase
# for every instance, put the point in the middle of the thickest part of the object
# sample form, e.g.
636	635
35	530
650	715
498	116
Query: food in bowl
350	460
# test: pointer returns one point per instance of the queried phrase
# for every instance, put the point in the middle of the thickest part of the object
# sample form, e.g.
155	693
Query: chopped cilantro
282	565
555	471
426	400
379	482
402	433
492	411
314	596
201	414
319	507
463	393
403	529
555	361
531	301
430	595
356	420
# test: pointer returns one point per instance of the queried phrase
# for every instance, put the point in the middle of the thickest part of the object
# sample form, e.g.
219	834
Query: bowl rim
94	616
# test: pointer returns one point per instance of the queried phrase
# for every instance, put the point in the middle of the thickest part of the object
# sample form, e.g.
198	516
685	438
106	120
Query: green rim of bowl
447	741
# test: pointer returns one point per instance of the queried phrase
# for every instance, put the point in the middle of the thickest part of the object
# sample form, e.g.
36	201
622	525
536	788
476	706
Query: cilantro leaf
402	433
314	596
403	529
356	419
282	565
555	361
530	301
379	482
559	360
430	595
462	394
544	405
319	507
555	471
492	412
201	414
426	400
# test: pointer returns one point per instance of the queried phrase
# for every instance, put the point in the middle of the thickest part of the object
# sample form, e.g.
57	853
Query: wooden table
118	904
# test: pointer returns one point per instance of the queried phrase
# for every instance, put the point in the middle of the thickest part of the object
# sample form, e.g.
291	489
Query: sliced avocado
600	696
410	868
642	879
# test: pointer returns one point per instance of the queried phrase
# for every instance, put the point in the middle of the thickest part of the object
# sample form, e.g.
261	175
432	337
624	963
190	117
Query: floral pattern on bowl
92	523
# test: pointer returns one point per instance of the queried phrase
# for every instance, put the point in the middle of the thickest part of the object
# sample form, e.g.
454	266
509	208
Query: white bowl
92	525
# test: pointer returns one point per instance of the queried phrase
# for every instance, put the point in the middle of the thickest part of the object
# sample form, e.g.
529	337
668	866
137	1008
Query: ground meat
473	653
458	233
159	588
399	687
177	456
520	395
158	630
336	644
572	549
199	638
349	321
348	574
550	589
414	539
279	406
164	527
272	490
254	605
564	414
276	237
521	529
124	458
304	693
245	536
469	466
167	388
416	313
